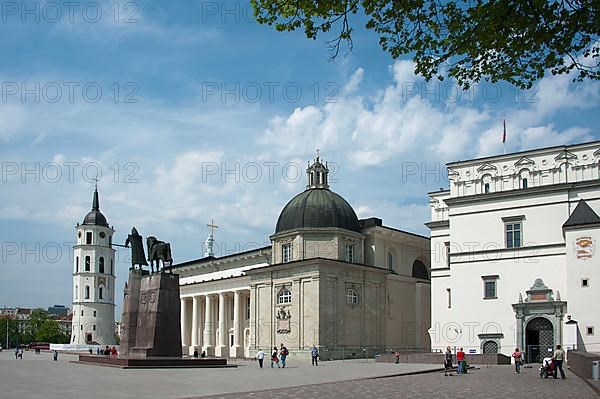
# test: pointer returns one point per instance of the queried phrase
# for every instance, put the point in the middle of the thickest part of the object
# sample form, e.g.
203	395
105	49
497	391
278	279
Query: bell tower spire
317	174
96	200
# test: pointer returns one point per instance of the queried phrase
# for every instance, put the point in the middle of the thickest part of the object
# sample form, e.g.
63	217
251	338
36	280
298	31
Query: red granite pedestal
151	326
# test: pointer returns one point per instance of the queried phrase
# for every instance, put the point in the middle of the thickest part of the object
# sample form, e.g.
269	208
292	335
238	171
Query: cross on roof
212	226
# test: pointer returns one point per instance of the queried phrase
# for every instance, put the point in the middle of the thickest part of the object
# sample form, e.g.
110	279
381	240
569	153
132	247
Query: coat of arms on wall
283	321
584	247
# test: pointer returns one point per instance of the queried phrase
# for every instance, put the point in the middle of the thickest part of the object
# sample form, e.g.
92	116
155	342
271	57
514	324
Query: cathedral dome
95	217
317	206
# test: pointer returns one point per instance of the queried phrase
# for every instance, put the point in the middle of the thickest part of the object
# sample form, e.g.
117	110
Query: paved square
37	376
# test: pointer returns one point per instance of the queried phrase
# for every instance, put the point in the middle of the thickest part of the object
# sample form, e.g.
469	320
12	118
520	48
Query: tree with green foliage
50	331
469	40
13	332
37	318
42	328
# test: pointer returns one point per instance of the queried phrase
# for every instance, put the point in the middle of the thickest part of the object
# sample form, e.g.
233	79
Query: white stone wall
581	299
472	222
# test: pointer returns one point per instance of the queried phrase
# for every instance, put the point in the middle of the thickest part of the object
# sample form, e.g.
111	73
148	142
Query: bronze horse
157	251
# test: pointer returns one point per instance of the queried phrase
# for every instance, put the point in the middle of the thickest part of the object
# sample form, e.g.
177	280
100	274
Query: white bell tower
94	280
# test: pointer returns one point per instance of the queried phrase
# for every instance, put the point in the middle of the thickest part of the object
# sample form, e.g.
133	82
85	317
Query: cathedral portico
214	322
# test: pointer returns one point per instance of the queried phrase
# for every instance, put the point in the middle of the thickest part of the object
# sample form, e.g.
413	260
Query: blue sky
172	95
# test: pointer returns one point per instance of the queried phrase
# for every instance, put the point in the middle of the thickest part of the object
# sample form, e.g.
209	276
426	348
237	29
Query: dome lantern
317	174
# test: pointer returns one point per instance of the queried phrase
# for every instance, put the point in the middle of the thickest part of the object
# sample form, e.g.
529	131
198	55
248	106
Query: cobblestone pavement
499	382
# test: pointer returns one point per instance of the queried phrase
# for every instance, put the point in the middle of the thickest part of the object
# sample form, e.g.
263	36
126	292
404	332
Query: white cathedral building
514	260
93	281
351	287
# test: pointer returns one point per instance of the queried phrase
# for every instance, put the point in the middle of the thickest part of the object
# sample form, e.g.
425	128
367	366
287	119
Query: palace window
490	287
486	184
82	312
589	330
285	296
111	267
286	252
350	253
449	291
76	292
101	292
585	282
524	183
94	327
77	264
101	264
88	238
94	313
87	292
351	297
390	261
513	235
87	263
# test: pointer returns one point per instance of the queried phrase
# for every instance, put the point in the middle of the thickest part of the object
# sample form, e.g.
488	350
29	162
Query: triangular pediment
524	161
565	155
452	172
487	167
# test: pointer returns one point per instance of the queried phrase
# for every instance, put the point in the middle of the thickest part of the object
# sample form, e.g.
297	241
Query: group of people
107	351
558	358
461	360
279	356
19	353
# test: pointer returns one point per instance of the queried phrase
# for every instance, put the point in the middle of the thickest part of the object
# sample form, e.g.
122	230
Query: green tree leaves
469	40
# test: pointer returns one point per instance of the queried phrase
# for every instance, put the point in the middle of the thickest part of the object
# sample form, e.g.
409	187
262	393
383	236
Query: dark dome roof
318	207
95	217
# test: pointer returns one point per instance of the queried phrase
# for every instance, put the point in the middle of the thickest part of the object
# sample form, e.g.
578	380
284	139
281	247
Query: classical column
222	344
208	326
184	323
195	309
236	350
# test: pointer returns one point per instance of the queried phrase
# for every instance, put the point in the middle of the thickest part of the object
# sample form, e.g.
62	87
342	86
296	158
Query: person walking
260	355
397	357
314	354
448	362
17	352
559	356
460	360
274	358
55	355
518	356
283	354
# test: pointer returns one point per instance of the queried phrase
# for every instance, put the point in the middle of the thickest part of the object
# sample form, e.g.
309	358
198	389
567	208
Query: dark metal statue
138	257
157	251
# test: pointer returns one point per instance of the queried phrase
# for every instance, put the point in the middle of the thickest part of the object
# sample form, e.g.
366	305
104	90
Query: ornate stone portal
539	321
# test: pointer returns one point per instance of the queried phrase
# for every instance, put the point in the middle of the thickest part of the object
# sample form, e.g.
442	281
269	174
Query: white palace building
514	260
351	287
